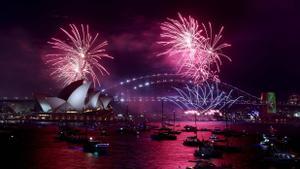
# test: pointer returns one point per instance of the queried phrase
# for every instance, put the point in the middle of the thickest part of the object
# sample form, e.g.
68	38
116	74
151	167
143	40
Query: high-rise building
269	99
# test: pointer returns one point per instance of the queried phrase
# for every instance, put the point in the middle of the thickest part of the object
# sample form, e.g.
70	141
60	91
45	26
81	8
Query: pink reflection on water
126	151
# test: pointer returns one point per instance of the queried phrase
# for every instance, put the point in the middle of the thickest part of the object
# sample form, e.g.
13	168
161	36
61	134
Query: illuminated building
294	99
269	99
78	97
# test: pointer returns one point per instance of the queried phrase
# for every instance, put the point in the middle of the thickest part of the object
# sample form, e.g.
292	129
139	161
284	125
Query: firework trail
181	38
212	47
196	48
202	98
77	57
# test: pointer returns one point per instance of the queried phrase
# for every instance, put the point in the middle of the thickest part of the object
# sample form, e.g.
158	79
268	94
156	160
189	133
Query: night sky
264	37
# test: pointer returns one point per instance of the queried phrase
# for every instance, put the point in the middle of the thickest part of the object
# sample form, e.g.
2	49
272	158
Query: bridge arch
154	87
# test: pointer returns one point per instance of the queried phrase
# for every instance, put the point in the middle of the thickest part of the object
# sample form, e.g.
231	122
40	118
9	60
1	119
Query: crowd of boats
272	149
276	150
205	149
88	143
91	138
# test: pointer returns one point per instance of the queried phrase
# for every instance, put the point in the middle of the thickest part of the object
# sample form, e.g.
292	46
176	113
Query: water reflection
38	149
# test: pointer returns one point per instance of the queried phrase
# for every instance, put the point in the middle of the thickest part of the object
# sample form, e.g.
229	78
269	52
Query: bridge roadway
57	117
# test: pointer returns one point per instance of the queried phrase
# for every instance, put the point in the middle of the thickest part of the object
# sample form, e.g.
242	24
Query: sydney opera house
78	97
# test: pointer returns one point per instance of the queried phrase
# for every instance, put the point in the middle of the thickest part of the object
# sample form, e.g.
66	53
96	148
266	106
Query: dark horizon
264	38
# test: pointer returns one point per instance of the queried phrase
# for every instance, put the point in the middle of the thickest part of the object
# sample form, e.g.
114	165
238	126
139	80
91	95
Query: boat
282	158
168	130
72	136
215	138
66	131
192	141
174	125
203	164
128	130
189	128
268	144
103	132
229	132
285	140
143	127
217	131
94	146
208	151
8	136
163	136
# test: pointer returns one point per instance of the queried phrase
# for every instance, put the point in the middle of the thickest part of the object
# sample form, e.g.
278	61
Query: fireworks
202	98
212	48
77	57
181	36
197	49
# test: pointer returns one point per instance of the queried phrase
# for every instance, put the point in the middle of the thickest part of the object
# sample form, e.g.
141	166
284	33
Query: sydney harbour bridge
142	94
156	87
145	94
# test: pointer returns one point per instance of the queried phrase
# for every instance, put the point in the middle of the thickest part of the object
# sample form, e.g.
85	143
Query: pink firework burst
212	46
197	50
181	38
77	57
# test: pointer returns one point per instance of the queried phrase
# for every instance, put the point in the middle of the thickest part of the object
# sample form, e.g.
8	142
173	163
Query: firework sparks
196	48
202	98
77	57
181	38
212	47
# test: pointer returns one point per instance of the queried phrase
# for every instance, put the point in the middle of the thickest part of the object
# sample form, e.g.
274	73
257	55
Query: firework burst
77	57
181	38
212	47
202	98
197	49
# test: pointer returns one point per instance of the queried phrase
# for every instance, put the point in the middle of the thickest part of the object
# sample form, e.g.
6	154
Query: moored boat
163	136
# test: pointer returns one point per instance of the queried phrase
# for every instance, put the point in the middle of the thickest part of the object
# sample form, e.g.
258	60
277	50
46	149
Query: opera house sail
78	97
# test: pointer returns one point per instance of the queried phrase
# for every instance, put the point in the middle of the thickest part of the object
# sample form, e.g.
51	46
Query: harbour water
38	148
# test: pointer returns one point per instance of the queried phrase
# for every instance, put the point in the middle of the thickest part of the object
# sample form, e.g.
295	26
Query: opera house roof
76	97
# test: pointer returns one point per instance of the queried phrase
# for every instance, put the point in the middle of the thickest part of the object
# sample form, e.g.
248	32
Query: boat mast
196	124
162	113
174	116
